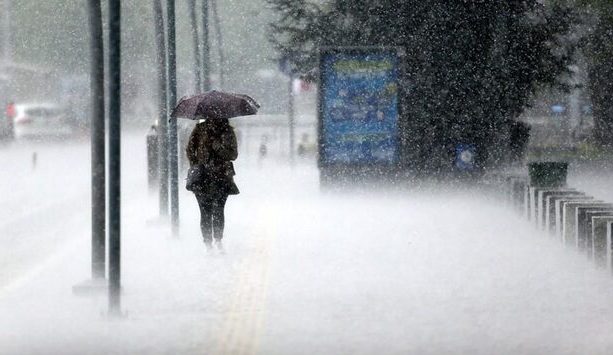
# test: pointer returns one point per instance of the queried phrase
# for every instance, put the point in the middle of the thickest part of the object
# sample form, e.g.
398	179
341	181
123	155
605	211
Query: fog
423	256
438	269
53	65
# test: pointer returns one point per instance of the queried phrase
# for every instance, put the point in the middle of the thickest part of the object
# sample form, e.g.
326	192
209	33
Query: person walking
212	144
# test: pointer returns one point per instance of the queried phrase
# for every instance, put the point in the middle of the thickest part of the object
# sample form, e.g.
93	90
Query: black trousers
212	218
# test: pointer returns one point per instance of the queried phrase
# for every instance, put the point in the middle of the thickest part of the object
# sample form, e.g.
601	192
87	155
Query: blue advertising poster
359	107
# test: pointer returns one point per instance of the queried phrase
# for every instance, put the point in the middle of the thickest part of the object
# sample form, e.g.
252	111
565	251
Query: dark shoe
209	245
219	246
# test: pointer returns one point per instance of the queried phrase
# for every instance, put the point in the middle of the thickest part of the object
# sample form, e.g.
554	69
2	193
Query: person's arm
192	147
226	147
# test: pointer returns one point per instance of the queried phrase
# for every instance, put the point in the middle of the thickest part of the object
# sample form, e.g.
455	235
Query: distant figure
11	112
212	145
153	170
263	147
302	146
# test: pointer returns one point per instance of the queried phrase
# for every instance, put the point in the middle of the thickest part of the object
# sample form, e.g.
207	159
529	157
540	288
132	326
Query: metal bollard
549	174
153	171
597	235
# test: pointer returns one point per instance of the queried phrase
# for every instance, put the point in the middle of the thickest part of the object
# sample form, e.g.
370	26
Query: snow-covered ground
414	271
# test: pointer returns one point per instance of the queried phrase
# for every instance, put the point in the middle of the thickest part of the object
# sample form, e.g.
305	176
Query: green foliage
471	66
598	49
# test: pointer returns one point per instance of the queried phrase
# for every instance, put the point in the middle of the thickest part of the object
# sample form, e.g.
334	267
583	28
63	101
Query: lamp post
291	118
98	168
172	126
160	45
206	61
288	67
114	156
196	46
6	30
220	47
98	282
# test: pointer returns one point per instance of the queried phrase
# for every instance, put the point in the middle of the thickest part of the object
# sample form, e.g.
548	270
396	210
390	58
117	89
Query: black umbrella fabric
215	104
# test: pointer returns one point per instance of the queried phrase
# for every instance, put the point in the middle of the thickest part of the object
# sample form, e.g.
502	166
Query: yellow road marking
245	318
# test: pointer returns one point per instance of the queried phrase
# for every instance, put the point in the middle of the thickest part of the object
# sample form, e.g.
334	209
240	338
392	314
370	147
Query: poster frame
332	170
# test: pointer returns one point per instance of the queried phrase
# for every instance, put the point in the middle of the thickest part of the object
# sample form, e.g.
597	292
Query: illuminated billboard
358	106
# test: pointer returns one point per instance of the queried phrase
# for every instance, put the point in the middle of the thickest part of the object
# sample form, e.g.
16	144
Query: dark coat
213	144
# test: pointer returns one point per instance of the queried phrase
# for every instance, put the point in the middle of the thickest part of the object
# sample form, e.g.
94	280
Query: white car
41	120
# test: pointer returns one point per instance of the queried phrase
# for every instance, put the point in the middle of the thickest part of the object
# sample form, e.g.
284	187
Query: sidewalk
428	272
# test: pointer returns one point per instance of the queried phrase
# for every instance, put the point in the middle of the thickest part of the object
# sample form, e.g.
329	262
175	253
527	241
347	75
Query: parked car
41	120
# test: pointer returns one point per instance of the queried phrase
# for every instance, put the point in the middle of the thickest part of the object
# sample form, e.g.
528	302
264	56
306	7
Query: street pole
196	45
160	45
6	29
206	55
220	49
291	118
114	156
98	163
172	126
501	37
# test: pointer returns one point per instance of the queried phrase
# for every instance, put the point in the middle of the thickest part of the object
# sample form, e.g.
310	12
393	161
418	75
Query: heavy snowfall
428	255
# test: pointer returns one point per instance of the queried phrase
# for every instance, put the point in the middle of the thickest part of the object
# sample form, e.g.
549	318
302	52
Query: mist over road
432	270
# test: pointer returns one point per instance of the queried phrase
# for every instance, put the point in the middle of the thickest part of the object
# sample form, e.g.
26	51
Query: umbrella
215	104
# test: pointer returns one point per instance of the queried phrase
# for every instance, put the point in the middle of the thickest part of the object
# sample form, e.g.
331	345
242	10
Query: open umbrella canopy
215	104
